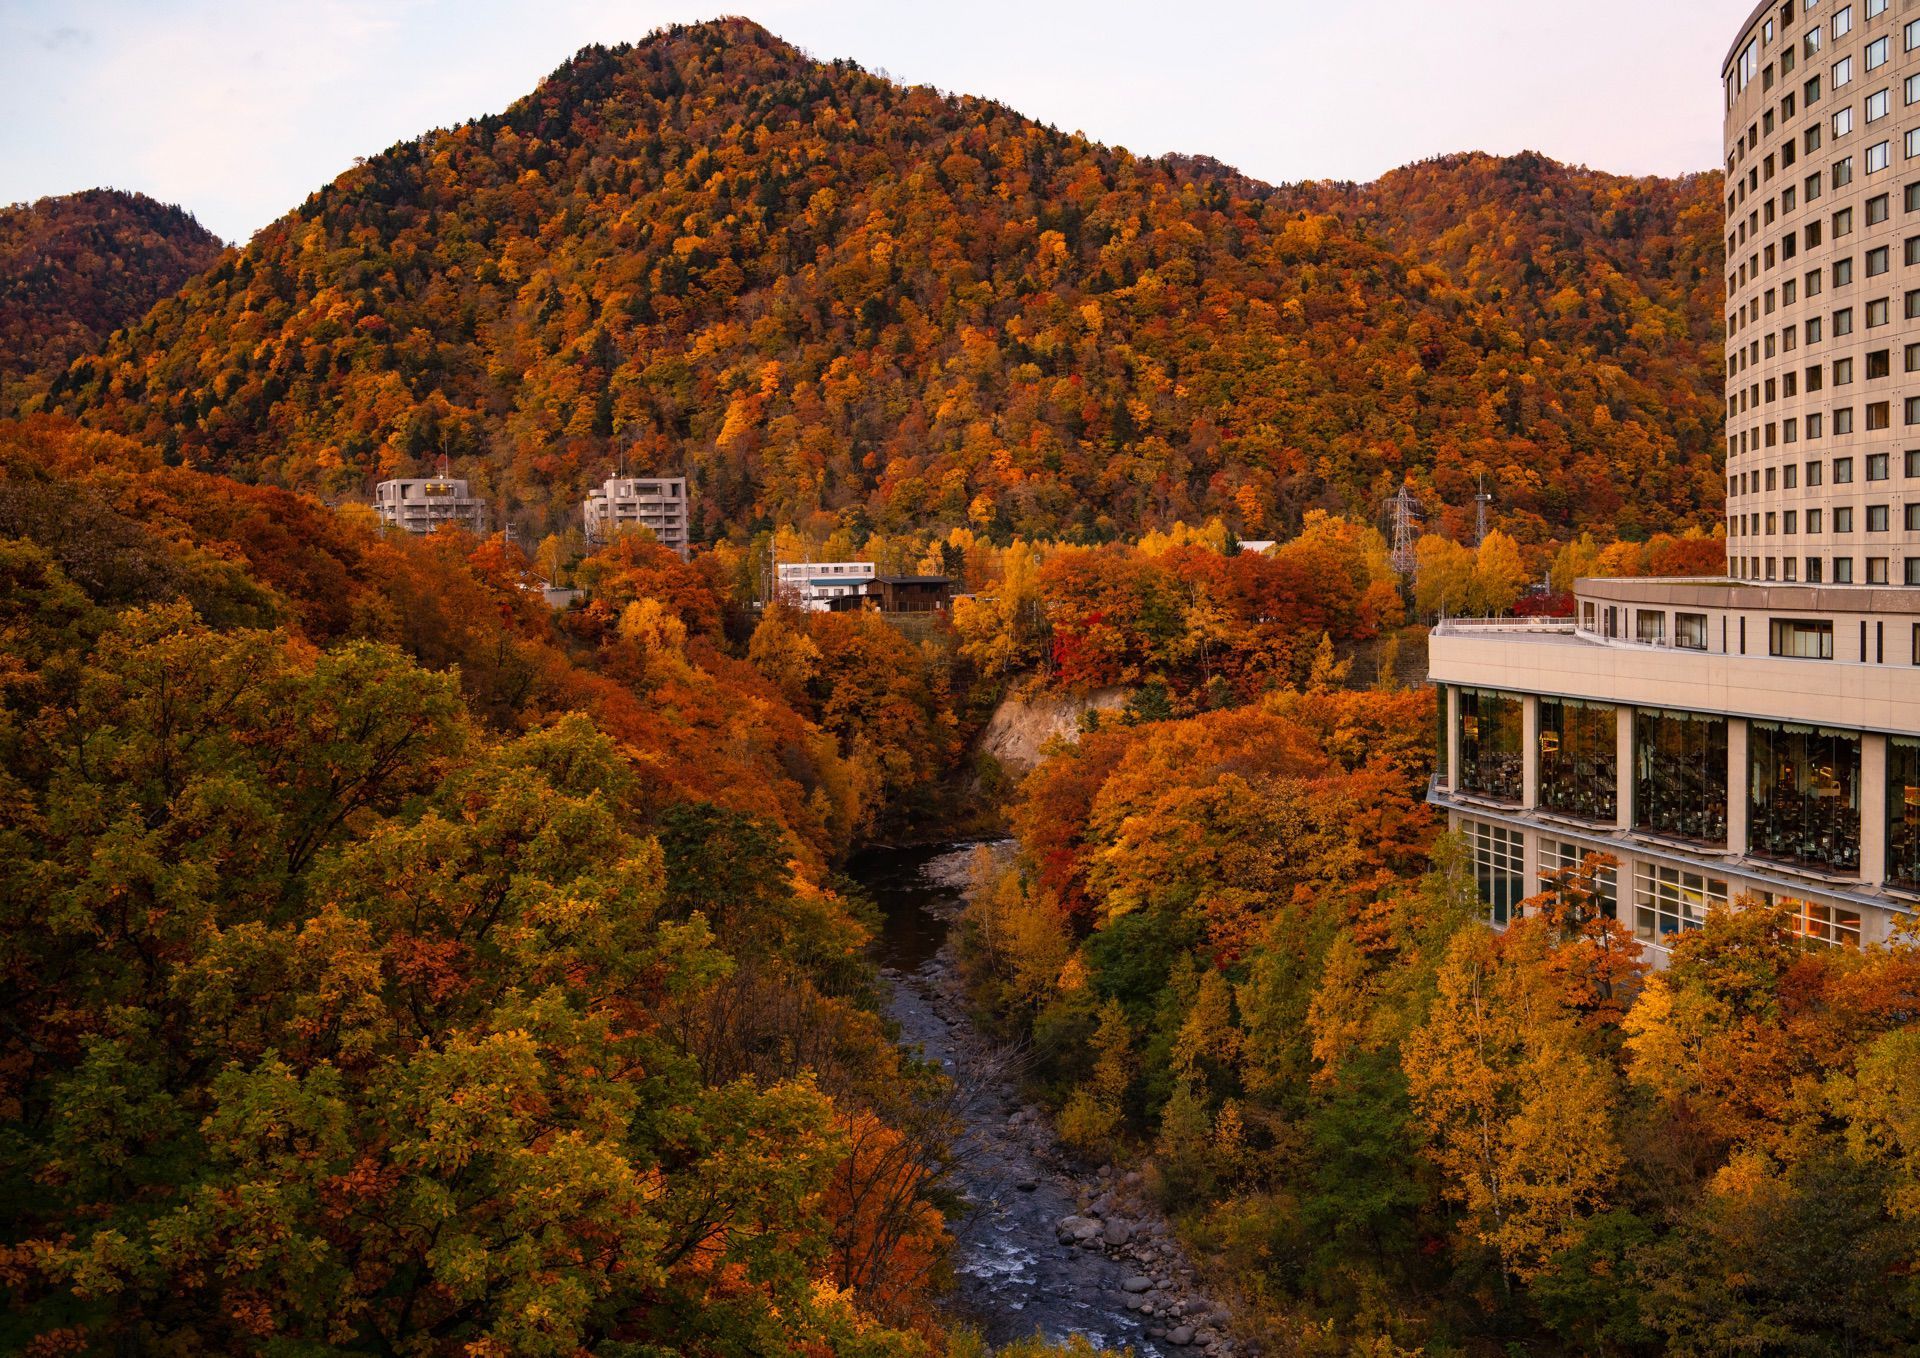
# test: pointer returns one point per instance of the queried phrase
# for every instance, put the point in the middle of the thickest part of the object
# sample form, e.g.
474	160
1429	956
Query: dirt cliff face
1021	728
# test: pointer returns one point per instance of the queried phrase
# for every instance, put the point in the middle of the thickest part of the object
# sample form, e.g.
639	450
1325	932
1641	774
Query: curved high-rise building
1755	737
1822	197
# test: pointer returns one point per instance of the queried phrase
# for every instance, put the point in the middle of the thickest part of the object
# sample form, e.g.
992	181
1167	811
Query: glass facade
1579	759
1499	869
1668	900
1440	731
1680	775
1824	923
1490	757
1557	855
1804	795
1903	813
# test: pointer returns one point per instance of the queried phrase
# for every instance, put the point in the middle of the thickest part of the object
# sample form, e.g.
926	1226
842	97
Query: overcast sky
237	109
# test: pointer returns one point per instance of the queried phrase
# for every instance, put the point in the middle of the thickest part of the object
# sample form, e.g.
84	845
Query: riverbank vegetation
1245	959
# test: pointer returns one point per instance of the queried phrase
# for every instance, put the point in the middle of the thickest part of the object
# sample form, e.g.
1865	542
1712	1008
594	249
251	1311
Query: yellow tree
1499	575
1442	577
1517	1111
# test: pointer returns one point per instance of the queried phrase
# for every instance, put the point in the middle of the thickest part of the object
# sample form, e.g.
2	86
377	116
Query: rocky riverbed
1043	1246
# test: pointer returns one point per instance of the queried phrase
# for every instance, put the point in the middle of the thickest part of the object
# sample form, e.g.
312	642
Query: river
1014	1277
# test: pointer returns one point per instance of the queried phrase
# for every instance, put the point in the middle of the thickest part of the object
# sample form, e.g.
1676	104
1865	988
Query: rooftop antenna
1406	523
1480	504
443	466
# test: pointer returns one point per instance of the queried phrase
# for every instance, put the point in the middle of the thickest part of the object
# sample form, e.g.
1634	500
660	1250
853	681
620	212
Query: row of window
1876	466
1668	900
1839	570
1804	794
1877	518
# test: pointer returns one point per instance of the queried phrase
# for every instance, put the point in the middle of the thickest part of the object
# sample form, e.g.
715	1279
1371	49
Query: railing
1552	626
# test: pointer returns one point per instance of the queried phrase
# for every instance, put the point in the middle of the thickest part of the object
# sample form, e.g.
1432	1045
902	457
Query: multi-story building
657	503
822	586
423	503
1756	735
1823	293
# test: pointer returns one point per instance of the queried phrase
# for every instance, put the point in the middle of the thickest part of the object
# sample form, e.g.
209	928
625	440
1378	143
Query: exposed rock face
1022	727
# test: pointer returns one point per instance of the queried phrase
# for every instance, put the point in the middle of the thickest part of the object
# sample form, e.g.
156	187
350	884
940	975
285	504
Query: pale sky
238	110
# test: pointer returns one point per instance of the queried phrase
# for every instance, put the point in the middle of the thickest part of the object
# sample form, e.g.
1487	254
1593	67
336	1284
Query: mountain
76	268
829	299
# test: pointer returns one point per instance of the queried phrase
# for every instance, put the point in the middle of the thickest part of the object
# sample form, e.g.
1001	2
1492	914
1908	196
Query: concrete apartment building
658	503
1759	734
822	586
421	504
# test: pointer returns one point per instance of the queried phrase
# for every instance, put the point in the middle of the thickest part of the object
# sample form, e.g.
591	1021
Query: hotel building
656	503
1758	734
422	504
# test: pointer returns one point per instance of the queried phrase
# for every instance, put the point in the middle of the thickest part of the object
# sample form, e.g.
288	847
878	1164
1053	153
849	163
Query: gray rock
1139	1282
1180	1335
1116	1232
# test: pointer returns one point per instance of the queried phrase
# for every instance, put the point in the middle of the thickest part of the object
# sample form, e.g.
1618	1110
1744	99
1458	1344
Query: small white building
657	503
421	504
822	586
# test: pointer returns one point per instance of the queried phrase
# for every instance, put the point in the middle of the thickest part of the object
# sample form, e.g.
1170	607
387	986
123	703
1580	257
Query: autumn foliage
816	291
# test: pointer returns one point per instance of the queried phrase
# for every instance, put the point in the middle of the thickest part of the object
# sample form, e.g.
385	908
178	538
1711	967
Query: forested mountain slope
815	290
74	269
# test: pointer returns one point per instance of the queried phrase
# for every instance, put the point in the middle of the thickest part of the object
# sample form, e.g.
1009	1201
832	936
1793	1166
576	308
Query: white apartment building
822	586
422	504
657	503
1757	735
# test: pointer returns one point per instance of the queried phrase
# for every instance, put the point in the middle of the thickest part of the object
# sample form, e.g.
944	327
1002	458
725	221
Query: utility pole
1406	522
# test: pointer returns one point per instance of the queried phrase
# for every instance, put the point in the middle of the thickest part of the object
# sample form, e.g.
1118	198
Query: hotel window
1680	774
1690	631
1903	804
1579	759
1842	176
1843	23
1804	803
1843	321
1877	518
1490	750
1843	420
1440	732
1879	415
1843	73
1557	855
1650	627
1913	35
1879	364
1815	470
1799	639
1823	923
1878	261
1878	312
1876	466
1843	121
1912	519
1813	523
1842	521
1913	462
1877	53
1877	571
1668	900
1843	471
1843	568
1813	562
1499	869
1790	526
1842	271
1879	103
